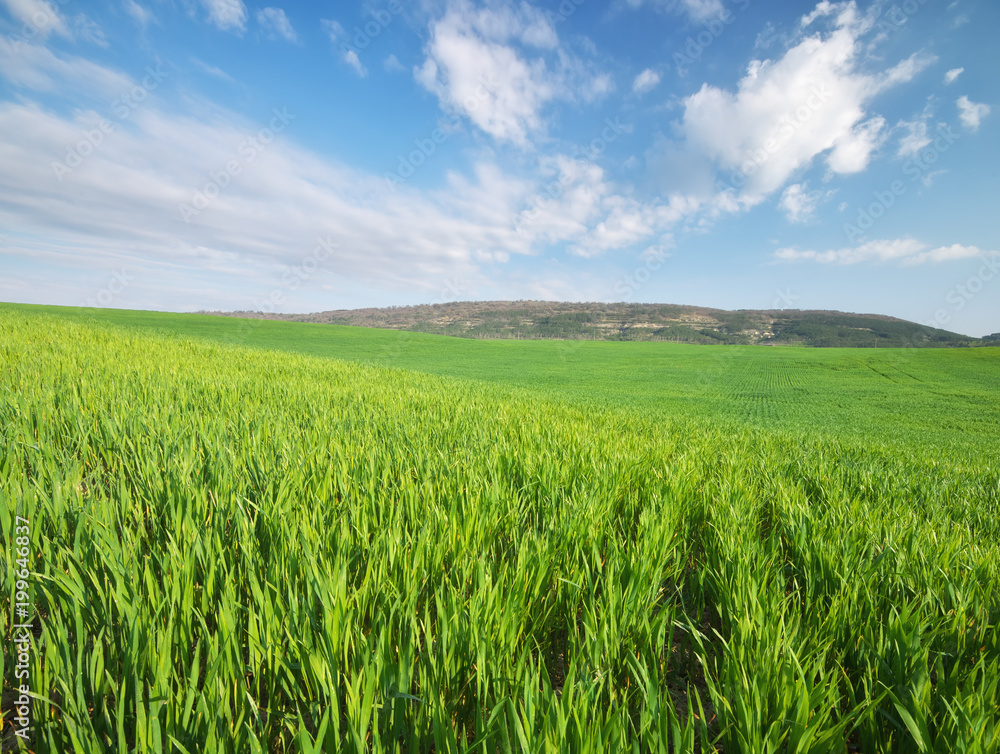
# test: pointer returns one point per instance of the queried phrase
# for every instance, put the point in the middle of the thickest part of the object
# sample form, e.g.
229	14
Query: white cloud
121	205
904	71
800	204
88	30
339	37
853	149
228	15
907	252
334	29
500	65
212	70
954	73
38	16
576	204
703	10
787	112
971	113
36	19
645	81
825	8
352	59
392	65
36	67
275	22
627	222
141	15
914	139
698	10
949	254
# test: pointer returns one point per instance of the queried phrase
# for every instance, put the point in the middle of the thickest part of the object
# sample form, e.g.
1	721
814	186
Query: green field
263	536
915	400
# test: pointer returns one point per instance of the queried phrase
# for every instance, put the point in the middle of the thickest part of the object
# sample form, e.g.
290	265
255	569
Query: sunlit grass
241	550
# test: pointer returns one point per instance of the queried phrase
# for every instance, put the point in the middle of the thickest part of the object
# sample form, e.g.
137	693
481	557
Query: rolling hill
533	320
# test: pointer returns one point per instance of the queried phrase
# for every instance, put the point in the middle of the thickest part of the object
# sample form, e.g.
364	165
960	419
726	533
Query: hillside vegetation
652	322
235	549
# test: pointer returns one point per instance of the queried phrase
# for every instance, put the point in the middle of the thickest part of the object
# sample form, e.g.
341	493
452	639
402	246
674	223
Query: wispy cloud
645	81
971	113
914	138
36	67
275	23
212	70
697	10
352	59
799	203
392	65
228	15
140	14
907	252
954	73
40	16
338	36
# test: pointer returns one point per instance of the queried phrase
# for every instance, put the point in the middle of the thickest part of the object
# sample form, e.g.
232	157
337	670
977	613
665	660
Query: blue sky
215	154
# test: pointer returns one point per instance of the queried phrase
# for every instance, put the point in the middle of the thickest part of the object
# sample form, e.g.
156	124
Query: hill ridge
532	319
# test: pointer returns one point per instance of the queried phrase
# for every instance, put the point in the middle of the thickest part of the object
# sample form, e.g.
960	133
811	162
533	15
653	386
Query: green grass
931	400
237	549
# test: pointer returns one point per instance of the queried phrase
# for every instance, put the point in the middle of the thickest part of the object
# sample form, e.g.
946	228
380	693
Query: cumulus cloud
785	113
276	23
500	66
228	15
645	81
954	73
627	222
971	113
906	252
